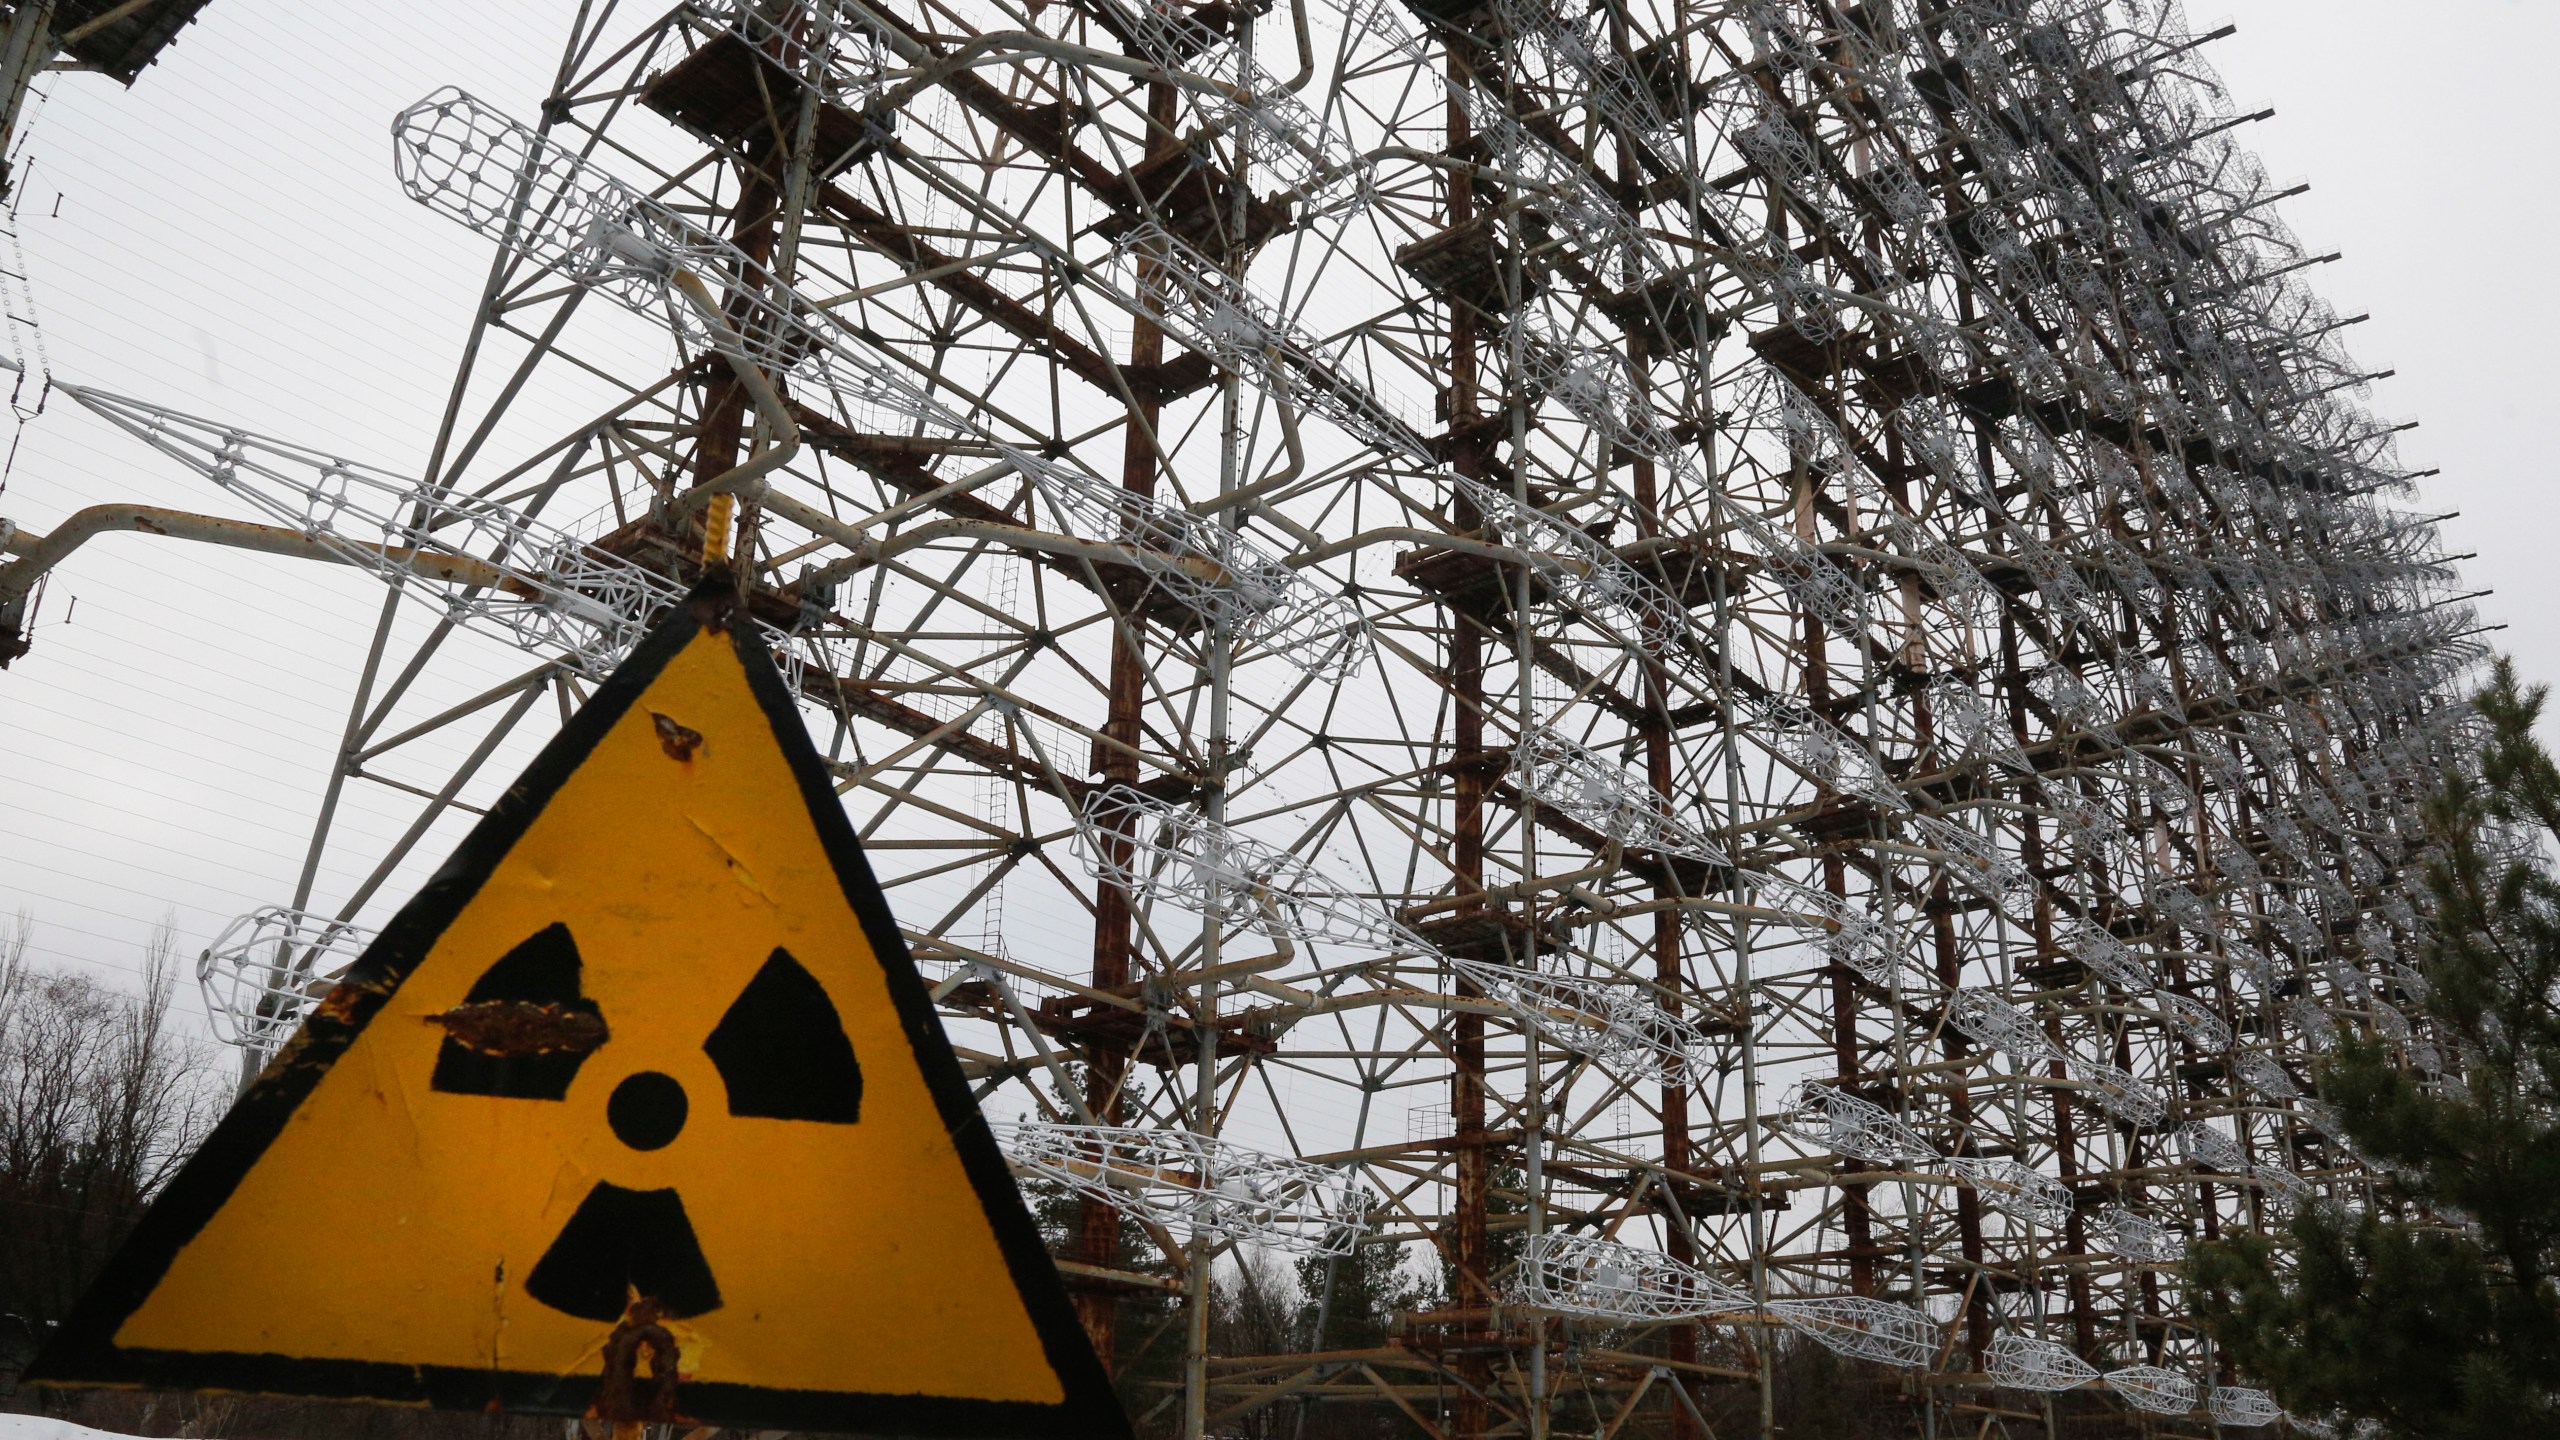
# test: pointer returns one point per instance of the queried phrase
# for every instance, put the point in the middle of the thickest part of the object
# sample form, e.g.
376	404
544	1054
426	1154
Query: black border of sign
83	1350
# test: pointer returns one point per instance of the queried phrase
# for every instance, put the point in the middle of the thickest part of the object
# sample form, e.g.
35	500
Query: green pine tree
1351	1302
2429	1329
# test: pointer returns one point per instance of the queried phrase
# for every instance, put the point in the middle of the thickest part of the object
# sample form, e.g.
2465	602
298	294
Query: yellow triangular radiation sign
650	1034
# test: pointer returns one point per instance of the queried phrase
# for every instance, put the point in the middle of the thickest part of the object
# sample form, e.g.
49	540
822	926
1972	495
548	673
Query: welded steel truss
1748	662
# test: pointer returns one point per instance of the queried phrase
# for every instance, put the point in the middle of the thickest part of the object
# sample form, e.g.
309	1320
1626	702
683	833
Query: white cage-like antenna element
1609	1020
2284	1189
2022	1362
1971	860
1216	314
1988	1020
1843	1123
2019	1191
472	164
2149	1387
2107	957
2138	1238
266	970
1604	1280
2265	1076
1821	749
492	568
1864	1328
1196	1183
2118	1091
1181	857
2192	1020
1208	568
2209	1147
1602	796
468	162
2242	1408
1845	932
1579	570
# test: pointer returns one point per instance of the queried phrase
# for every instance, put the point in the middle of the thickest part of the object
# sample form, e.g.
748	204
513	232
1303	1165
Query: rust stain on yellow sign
650	1033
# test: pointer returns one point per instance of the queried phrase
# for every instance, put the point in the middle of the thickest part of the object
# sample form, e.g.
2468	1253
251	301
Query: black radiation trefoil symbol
525	1030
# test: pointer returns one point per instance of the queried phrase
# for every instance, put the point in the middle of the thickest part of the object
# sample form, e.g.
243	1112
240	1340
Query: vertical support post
1115	762
1469	1253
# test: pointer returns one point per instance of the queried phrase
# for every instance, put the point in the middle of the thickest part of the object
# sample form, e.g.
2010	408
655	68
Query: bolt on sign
644	1074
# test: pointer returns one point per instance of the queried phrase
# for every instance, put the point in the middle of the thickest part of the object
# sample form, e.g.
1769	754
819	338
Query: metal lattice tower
1746	663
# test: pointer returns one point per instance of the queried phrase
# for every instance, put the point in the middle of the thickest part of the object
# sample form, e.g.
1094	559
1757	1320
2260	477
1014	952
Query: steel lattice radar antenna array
1745	672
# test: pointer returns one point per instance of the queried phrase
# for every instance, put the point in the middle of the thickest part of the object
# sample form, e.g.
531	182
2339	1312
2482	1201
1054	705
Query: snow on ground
37	1427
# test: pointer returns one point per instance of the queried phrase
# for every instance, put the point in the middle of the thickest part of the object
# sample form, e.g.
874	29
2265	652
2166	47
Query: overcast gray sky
226	238
2427	135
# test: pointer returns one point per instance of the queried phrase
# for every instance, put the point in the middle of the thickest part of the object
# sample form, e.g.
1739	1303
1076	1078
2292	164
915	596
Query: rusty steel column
1950	967
1680	1342
1857	1226
1470	455
1115	762
2080	1297
752	227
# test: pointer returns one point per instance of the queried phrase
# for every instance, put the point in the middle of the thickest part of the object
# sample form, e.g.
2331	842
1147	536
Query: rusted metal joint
515	1028
622	1398
676	738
